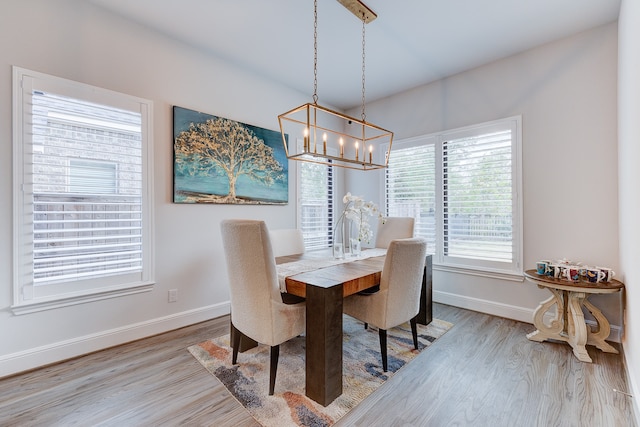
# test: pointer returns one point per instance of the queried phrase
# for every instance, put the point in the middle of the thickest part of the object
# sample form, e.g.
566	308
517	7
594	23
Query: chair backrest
253	278
393	228
401	279
286	241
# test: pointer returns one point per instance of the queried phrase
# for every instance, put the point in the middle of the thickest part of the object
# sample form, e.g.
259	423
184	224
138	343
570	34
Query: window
463	188
315	204
82	196
90	176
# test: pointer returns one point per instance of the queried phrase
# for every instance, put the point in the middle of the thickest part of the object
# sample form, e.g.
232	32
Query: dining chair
286	241
398	300
389	228
257	310
393	227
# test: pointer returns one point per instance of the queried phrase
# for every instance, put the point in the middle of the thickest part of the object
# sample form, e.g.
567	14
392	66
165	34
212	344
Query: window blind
477	197
316	202
86	188
410	189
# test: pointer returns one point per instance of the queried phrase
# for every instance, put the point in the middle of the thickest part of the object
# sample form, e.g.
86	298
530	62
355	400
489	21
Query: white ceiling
412	42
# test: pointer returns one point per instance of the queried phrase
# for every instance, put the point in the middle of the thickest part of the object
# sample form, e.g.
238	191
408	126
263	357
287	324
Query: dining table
324	282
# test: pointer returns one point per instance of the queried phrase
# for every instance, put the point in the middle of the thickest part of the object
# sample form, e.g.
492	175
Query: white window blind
82	189
477	202
86	229
411	188
316	202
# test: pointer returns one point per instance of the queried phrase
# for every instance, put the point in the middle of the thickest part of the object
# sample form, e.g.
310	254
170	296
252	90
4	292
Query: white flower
358	211
347	198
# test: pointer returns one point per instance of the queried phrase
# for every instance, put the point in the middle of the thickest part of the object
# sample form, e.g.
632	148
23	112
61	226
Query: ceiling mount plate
359	9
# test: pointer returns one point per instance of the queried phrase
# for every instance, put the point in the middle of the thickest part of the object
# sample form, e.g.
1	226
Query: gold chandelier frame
313	133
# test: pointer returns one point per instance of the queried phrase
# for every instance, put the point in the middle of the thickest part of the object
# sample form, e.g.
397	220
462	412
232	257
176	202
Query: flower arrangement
358	211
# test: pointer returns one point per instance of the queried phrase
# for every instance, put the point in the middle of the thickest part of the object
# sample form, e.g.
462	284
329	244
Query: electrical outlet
173	295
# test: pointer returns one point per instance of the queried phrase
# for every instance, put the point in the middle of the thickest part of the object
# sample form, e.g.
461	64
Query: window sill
43	304
493	274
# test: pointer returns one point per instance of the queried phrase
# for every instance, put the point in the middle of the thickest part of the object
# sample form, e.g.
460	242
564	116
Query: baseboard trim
521	314
14	363
484	306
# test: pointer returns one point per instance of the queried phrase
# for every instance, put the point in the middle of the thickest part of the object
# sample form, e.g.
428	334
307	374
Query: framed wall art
218	160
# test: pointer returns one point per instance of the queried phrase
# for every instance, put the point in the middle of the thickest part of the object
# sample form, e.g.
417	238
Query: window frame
28	298
508	271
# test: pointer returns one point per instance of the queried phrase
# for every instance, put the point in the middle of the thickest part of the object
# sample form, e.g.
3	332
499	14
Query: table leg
323	377
555	329
602	332
577	331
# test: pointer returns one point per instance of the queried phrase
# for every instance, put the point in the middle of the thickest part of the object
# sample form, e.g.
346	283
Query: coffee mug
554	270
583	272
541	267
594	275
572	273
608	273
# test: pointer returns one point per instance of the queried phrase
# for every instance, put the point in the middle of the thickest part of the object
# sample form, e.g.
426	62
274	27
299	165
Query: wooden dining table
324	290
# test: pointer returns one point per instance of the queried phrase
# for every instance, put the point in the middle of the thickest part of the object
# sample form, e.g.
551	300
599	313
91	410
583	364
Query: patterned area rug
362	372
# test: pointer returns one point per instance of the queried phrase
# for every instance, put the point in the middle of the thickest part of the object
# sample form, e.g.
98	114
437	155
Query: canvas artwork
217	160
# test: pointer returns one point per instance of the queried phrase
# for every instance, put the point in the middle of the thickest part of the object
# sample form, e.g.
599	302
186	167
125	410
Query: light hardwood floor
483	372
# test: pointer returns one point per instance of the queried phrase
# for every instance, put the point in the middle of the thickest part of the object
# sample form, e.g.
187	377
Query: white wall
566	93
629	176
75	40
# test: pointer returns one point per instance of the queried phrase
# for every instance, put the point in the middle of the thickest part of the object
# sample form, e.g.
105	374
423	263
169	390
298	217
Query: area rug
362	372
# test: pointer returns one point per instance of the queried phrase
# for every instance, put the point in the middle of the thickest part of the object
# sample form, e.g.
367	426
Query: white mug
555	271
595	275
608	273
572	273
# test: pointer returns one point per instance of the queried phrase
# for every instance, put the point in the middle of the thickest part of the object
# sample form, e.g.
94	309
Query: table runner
302	266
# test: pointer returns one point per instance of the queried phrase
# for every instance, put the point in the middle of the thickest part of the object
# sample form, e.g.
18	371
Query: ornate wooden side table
568	324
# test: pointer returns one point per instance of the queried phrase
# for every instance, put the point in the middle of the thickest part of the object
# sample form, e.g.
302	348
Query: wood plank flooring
483	372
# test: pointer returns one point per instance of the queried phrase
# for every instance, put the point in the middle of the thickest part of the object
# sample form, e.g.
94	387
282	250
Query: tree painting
217	160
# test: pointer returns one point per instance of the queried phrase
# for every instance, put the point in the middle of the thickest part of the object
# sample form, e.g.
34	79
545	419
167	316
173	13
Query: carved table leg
577	331
602	331
555	328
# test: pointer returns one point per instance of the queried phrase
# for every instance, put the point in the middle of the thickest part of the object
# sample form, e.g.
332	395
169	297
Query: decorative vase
346	237
355	247
352	239
340	239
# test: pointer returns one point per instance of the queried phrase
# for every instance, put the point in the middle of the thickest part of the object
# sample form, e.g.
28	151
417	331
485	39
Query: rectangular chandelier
316	134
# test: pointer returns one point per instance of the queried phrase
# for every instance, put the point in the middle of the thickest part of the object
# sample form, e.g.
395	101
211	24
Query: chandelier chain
315	51
364	116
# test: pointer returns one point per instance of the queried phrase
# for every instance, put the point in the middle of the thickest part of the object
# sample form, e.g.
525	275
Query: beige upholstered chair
393	228
287	241
398	300
257	310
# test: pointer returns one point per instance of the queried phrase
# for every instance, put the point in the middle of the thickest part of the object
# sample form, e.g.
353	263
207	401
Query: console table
568	324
